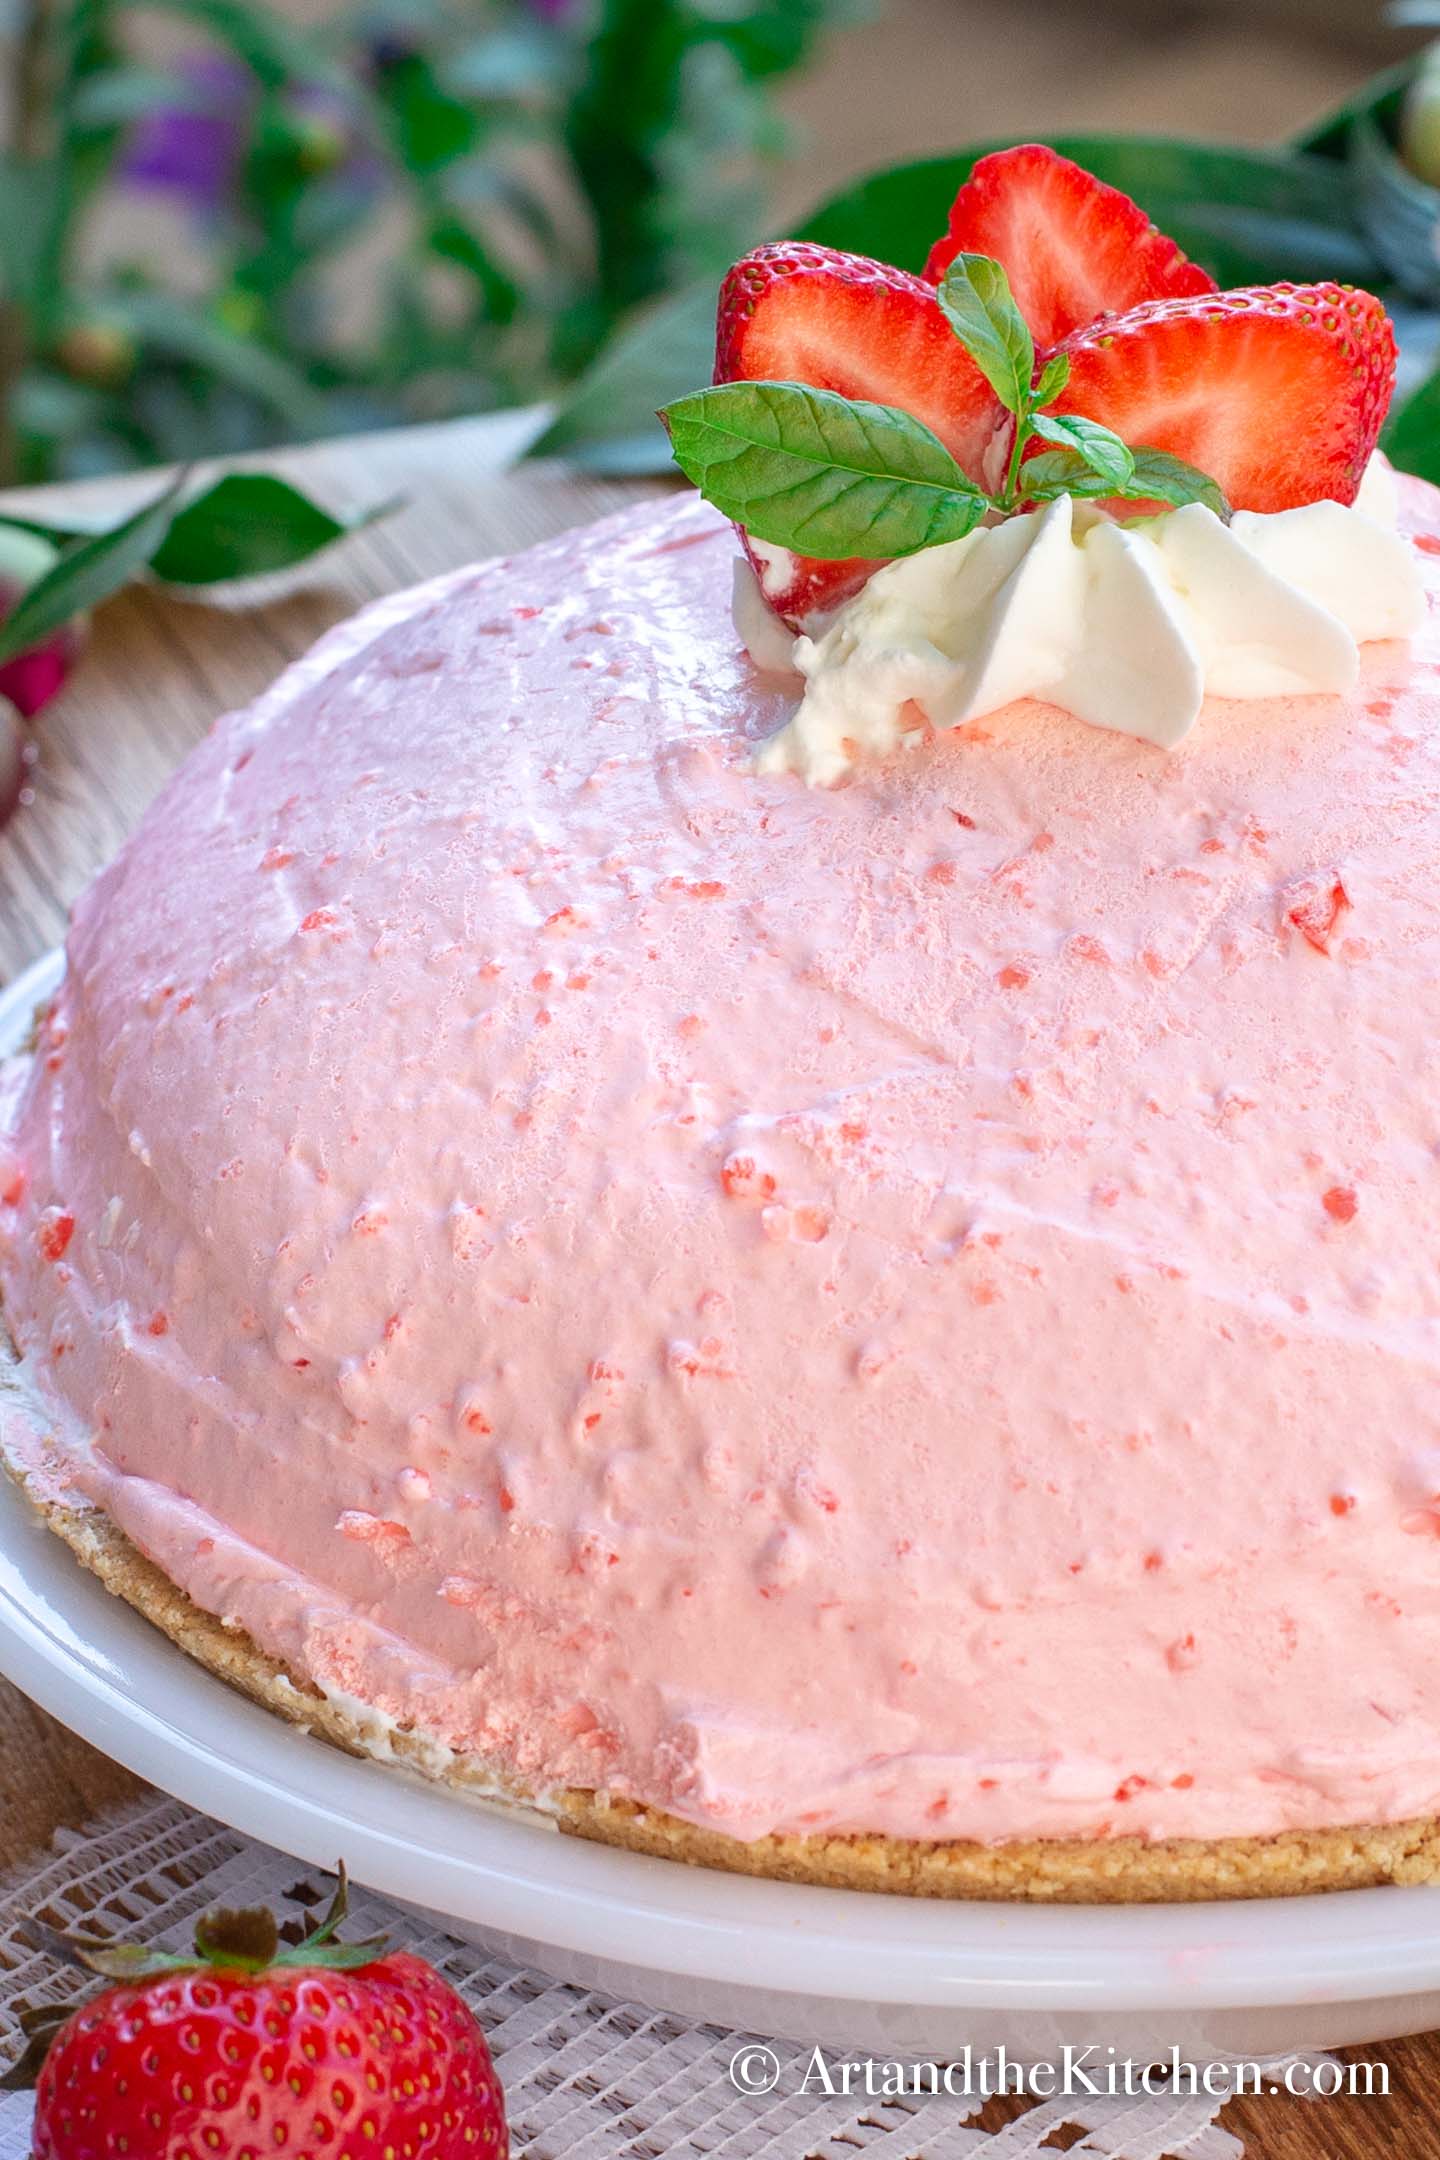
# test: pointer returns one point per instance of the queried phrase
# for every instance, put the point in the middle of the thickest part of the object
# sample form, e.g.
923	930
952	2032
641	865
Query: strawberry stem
249	1939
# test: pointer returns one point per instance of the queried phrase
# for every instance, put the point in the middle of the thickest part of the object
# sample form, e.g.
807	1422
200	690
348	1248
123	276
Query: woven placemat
586	2078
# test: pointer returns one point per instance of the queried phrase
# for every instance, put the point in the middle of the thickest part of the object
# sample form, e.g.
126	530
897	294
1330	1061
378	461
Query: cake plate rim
109	1675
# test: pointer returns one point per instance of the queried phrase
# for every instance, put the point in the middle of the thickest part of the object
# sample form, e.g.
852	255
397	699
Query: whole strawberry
322	2051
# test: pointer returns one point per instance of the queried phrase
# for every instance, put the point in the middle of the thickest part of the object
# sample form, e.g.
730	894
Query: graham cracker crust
1056	1871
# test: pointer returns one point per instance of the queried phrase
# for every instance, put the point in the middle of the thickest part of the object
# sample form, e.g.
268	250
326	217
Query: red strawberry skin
1278	392
1072	247
794	312
317	2064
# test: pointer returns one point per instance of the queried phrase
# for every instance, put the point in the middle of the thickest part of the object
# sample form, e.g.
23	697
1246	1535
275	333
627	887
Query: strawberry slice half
1072	247
794	312
1277	391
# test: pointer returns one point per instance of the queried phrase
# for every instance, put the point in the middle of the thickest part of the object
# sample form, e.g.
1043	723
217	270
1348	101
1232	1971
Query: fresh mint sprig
835	478
1088	459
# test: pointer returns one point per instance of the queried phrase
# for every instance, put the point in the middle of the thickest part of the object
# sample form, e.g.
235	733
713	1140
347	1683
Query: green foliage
246	524
89	570
512	178
1412	438
542	193
1399	215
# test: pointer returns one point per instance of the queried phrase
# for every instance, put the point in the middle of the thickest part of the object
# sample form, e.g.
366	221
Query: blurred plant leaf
570	162
516	62
777	35
455	242
169	326
118	95
1412	435
1239	246
249	525
430	126
1219	188
609	419
275	50
30	197
328	213
89	571
620	114
1328	135
477	184
59	535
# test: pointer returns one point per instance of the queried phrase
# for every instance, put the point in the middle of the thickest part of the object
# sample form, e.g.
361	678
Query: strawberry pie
810	1248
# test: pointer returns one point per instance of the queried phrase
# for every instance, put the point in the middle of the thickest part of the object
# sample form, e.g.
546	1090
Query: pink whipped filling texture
910	1308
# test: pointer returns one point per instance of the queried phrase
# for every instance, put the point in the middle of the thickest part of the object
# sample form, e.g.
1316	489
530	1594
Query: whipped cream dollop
1127	626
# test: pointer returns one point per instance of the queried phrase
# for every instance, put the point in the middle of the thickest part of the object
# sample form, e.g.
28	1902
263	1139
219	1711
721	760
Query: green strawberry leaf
832	478
1102	450
89	571
975	295
1053	378
248	525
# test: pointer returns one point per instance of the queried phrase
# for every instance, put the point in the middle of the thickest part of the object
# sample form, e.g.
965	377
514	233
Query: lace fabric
586	2078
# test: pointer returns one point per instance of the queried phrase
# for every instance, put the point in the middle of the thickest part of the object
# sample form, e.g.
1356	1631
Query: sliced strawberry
793	312
1072	247
1277	391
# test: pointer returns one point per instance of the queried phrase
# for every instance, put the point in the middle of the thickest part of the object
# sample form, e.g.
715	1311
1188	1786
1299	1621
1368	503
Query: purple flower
193	149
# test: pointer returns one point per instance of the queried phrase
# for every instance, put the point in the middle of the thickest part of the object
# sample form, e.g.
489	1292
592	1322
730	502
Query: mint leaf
1055	375
246	525
825	475
1062	472
1102	450
1158	477
88	571
1155	477
975	295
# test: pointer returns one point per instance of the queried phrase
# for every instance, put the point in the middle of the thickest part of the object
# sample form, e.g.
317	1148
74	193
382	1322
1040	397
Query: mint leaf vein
830	477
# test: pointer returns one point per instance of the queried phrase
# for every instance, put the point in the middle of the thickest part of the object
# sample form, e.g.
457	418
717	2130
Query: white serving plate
872	1974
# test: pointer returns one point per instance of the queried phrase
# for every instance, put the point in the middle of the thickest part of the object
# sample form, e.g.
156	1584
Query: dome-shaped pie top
910	1308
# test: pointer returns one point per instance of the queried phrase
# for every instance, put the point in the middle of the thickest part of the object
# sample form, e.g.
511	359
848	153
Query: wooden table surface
158	671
